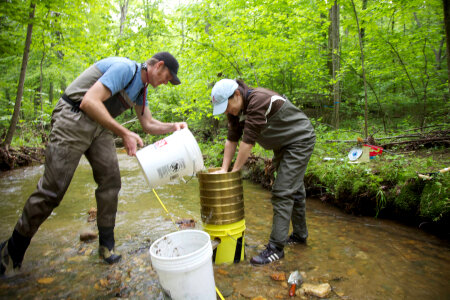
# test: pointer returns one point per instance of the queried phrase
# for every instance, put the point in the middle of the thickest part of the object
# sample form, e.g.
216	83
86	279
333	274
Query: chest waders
290	135
116	104
74	134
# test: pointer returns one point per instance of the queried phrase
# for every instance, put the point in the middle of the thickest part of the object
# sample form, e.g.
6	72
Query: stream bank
387	187
12	158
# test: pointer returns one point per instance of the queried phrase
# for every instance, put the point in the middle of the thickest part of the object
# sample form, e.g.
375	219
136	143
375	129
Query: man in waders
83	123
263	116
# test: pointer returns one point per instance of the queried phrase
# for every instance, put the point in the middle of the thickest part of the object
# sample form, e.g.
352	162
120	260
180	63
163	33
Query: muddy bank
11	158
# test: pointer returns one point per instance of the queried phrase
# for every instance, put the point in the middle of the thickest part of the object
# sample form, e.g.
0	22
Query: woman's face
235	104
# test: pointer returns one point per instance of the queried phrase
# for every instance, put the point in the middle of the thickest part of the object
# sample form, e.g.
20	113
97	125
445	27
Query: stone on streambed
318	290
88	235
92	214
278	276
186	223
227	291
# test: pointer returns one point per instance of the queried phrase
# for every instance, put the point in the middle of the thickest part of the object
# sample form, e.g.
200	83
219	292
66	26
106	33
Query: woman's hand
221	171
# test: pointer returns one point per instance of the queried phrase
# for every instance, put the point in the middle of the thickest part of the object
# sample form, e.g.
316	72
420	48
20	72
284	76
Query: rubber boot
12	252
106	247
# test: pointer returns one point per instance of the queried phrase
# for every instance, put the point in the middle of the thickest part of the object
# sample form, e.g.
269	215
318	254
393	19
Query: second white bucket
171	158
183	262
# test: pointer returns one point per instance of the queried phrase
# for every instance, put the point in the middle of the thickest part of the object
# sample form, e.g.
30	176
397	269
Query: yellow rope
173	221
218	293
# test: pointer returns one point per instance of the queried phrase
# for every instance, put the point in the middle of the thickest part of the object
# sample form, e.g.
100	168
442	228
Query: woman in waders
263	116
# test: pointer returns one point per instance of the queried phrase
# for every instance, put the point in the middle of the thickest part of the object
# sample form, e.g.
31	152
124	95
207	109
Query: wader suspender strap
274	98
76	105
132	78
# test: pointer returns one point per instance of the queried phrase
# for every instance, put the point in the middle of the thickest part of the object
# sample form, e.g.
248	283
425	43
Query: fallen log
376	139
419	141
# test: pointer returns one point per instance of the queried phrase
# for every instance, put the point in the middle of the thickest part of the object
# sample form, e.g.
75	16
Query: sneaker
108	255
292	240
269	255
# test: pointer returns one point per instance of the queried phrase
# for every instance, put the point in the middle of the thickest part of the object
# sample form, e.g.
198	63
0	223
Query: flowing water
361	258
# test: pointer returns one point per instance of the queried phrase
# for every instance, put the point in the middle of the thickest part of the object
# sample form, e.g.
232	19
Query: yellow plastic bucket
232	245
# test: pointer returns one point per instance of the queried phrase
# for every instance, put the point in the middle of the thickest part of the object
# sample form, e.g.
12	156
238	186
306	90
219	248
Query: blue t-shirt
117	73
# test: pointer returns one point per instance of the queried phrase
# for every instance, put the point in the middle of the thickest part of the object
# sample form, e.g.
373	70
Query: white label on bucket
171	168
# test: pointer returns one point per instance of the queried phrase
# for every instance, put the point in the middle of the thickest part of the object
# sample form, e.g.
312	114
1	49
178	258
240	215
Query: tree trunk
23	70
335	39
394	86
50	93
363	71
41	77
123	15
327	103
447	35
425	86
363	29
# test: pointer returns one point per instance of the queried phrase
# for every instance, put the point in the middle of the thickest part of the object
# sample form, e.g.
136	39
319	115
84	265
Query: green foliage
381	201
434	201
212	153
281	45
408	199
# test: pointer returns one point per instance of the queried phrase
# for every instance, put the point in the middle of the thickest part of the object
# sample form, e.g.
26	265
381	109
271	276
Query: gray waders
74	134
290	135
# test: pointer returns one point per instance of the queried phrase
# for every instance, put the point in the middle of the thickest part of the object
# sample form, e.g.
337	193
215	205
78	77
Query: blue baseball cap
220	93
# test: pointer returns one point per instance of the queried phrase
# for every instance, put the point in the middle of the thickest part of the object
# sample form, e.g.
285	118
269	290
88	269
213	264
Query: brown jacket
256	103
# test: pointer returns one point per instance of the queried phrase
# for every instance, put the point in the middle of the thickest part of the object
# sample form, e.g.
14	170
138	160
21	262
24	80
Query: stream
360	257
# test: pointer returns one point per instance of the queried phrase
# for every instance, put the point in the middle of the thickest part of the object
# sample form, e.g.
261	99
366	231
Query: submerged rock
88	235
92	214
46	280
279	276
318	290
186	223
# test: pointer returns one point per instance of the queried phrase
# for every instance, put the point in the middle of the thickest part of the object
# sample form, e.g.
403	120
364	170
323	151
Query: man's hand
180	125
130	142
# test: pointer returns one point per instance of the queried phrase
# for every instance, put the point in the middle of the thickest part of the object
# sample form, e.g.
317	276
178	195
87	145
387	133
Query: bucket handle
192	176
231	237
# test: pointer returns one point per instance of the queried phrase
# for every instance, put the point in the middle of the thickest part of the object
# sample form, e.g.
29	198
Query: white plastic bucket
183	262
171	158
